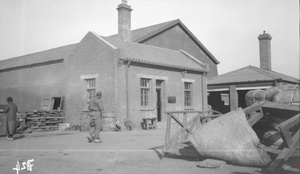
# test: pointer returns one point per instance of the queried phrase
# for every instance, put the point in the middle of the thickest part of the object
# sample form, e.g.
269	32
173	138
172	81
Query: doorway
159	100
158	104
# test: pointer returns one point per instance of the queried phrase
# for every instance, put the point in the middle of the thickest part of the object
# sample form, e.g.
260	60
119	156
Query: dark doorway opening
57	103
158	104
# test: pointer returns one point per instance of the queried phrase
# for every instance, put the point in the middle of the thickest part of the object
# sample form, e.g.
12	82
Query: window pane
90	94
145	90
187	94
91	83
145	83
187	86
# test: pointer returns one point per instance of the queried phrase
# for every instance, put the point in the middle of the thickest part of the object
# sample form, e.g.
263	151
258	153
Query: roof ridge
136	43
265	72
228	73
171	21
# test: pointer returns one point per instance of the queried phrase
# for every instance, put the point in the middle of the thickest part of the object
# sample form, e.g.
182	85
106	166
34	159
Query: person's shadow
19	136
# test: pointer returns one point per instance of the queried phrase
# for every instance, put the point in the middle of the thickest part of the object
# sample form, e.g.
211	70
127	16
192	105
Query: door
158	104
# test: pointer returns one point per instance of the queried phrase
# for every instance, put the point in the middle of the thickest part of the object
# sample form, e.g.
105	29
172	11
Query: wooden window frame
145	86
188	89
90	88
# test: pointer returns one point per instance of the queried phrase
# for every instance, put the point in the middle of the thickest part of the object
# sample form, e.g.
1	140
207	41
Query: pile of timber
40	121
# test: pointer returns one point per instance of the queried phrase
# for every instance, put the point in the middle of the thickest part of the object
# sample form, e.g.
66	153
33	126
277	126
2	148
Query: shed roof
38	57
157	55
250	74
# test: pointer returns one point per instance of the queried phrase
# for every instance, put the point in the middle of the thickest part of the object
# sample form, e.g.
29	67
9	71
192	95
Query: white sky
227	28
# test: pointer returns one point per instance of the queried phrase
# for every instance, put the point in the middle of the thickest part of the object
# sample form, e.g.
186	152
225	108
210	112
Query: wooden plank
177	120
190	129
289	123
194	119
184	134
233	97
34	118
211	116
179	112
285	154
282	106
254	107
272	150
287	138
279	161
255	118
168	132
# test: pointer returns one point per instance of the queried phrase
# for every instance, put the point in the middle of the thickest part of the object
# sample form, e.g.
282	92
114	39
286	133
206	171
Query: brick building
142	73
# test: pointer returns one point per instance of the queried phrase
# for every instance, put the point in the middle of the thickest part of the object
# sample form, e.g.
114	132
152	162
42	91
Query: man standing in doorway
11	118
96	109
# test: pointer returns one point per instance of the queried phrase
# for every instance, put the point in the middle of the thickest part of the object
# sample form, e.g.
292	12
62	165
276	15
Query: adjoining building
228	91
141	73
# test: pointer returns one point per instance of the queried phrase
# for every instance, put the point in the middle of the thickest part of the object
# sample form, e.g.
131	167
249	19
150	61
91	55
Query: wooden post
233	97
184	124
168	132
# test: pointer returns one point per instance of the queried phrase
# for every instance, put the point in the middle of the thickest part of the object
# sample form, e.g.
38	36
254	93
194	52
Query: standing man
11	118
96	109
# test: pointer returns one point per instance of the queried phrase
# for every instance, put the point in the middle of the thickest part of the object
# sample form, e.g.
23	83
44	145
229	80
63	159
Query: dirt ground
133	152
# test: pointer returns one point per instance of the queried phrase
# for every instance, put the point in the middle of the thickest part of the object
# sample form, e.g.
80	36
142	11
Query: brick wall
173	85
91	58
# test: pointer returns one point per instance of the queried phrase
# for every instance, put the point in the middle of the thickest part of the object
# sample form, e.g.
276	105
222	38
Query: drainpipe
203	94
127	91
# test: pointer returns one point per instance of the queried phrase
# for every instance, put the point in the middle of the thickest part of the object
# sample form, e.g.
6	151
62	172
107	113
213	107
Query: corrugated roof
142	34
250	74
39	57
155	55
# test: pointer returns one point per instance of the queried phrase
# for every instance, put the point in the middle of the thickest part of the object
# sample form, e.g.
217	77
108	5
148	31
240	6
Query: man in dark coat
96	109
11	118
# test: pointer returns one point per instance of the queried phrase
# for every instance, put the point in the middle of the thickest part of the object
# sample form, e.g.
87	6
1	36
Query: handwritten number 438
24	166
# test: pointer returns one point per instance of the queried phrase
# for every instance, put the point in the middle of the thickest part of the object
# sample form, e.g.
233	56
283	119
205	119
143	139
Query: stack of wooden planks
40	121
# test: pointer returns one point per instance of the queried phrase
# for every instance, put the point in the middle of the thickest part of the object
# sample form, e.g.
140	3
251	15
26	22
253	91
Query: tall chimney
265	50
124	21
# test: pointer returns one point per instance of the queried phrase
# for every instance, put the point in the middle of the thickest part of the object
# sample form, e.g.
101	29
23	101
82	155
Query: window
145	91
187	94
90	88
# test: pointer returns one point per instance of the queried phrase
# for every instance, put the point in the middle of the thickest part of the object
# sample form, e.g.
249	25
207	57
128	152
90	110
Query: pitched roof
250	74
143	34
36	58
138	35
156	55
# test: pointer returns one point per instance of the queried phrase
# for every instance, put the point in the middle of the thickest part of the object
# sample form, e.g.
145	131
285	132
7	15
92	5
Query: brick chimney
124	21
265	50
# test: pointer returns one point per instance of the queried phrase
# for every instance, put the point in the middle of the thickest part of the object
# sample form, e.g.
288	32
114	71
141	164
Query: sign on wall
172	99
